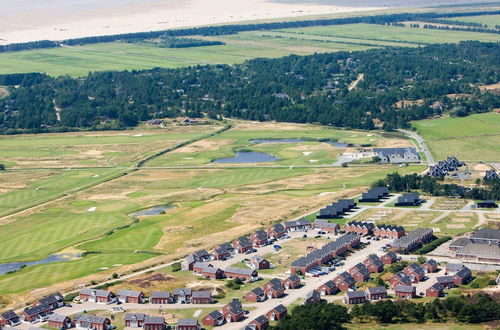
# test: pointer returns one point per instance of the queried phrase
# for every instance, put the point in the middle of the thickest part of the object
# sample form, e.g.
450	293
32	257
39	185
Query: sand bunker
453	226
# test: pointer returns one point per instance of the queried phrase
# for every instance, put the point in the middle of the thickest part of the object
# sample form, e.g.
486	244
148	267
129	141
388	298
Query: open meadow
79	60
490	20
209	203
472	138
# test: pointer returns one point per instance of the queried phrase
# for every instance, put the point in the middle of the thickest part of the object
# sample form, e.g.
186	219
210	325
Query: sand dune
27	20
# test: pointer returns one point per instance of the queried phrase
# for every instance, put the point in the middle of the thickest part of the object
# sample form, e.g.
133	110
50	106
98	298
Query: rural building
241	273
326	226
257	262
459	243
233	311
360	228
415	272
312	297
199	266
463	276
452	269
274	288
277	313
437	171
400	278
212	273
292	282
479	252
134	320
360	273
36	313
201	297
298	225
375	194
389	231
161	297
94	322
259	238
405	291
54	301
256	295
59	321
412	199
344	281
486	236
97	296
154	323
188	324
333	211
389	258
355	297
373	264
377	293
430	266
397	155
213	319
130	296
328	288
491	175
489	204
446	281
436	290
182	295
222	253
413	240
9	319
276	231
198	256
260	323
242	245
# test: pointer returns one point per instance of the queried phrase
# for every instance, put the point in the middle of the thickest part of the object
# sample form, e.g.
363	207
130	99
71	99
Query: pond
277	141
245	157
157	210
341	145
14	266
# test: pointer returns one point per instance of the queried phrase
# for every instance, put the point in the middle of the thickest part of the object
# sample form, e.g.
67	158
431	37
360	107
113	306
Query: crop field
489	20
79	60
210	204
471	138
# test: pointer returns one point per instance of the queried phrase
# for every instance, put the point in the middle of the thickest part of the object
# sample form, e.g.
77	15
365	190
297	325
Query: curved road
421	144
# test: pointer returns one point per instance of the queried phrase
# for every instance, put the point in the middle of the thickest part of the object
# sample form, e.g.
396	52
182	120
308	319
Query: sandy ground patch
436	230
273	126
116	195
464	214
482	167
394	143
92	152
493	215
491	87
158	175
455	226
203	145
460	220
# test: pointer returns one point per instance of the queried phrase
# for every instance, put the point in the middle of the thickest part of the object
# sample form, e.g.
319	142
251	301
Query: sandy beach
28	20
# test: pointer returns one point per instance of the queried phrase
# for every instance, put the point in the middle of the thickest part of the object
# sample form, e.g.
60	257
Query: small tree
421	259
176	267
2	167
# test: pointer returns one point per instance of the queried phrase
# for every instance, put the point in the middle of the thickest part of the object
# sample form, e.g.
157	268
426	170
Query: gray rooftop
129	293
57	318
486	233
187	322
160	294
404	288
377	290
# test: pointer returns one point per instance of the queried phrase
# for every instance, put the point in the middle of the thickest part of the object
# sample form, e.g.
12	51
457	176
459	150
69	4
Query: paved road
421	145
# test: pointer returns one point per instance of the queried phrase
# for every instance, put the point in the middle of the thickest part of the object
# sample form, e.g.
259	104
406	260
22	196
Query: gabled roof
404	288
95	292
356	294
276	284
486	233
444	279
183	291
89	318
409	198
329	284
293	278
391	255
244	242
297	223
235	304
240	271
201	254
262	319
278	227
438	286
129	293
160	294
187	322
258	291
431	262
9	315
454	267
260	234
215	315
463	273
280	309
51	299
376	260
460	242
135	317
346	277
257	258
201	294
313	294
325	224
154	320
36	309
377	290
57	318
360	268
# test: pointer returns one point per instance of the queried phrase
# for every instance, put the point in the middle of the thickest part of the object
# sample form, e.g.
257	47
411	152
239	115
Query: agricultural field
209	204
79	60
472	138
489	20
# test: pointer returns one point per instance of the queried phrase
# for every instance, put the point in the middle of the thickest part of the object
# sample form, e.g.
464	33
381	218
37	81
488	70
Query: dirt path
355	83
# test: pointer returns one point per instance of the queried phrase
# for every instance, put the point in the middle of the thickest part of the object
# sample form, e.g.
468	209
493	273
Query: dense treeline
456	28
169	42
235	28
293	89
435	187
453	22
465	309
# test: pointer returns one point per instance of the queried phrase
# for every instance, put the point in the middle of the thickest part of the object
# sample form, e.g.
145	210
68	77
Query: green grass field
471	138
489	20
79	60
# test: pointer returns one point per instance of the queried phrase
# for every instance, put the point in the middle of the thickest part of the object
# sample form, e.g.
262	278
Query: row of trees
302	89
235	28
466	309
435	187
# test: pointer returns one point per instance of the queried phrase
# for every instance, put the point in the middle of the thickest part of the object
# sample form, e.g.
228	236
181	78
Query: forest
302	89
465	309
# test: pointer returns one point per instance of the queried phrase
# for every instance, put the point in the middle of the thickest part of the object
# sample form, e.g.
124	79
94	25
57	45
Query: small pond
157	210
13	266
245	157
277	141
341	145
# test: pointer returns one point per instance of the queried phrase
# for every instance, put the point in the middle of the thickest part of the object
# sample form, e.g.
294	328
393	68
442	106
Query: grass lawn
471	138
414	326
489	20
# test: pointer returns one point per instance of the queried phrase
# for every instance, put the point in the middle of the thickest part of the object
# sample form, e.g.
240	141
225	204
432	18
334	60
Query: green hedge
432	245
